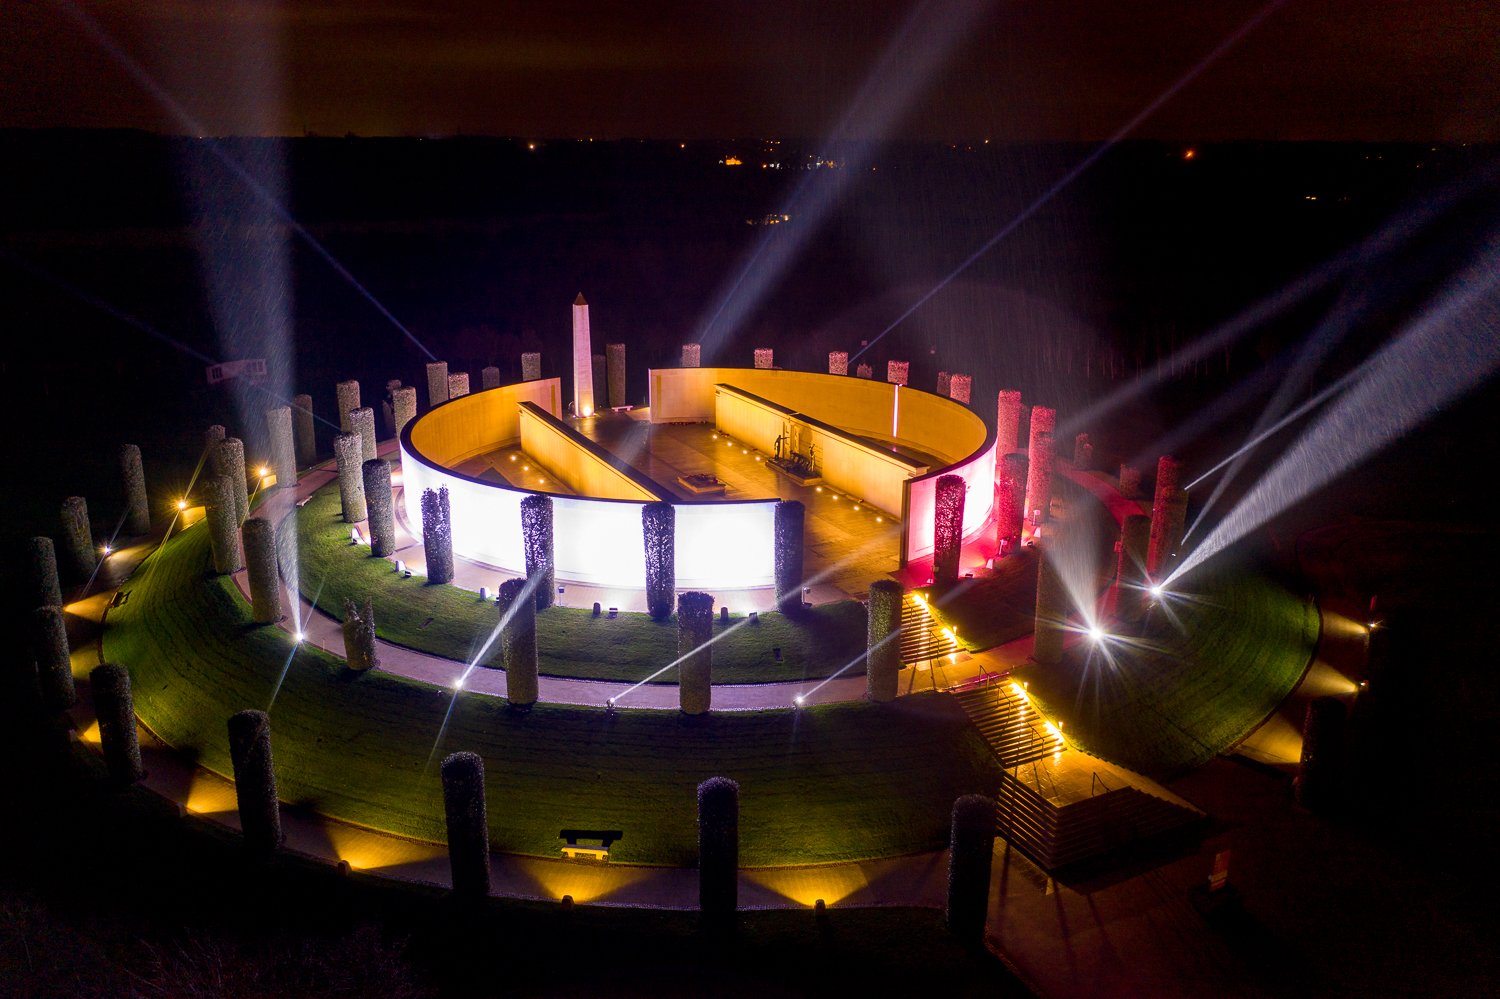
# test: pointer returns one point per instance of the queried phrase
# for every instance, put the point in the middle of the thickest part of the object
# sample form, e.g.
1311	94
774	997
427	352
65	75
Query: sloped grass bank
571	642
830	783
1195	682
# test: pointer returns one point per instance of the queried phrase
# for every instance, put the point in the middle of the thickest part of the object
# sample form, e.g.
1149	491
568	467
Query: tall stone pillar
360	651
211	438
531	366
1166	517
692	355
659	532
303	441
46	591
539	547
1130	482
1130	578
405	406
349	451
133	477
615	352
54	660
838	362
468	824
518	652
959	388
259	539
882	643
945	383
437	383
231	461
583	360
489	378
695	632
388	405
283	449
864	371
1039	478
255	781
1083	453
1051	611
764	357
718	851
896	372
1010	500
971	850
948	528
376	475
1008	422
115	709
78	538
348	397
458	384
223	525
362	423
790	522
437	535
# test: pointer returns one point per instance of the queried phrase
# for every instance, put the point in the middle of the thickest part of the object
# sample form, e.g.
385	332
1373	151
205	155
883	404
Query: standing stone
1130	577
1130	482
1039	478
437	535
883	641
45	589
349	451
531	366
718	850
790	521
1042	419
78	538
1010	501
388	405
133	476
1083	453
489	378
405	406
359	636
615	353
283	448
659	529
437	383
362	422
231	462
695	632
539	546
692	354
945	382
971	848
896	372
1051	612
959	389
583	360
223	525
54	661
304	442
115	709
255	781
1008	422
260	570
838	362
458	384
376	475
864	371
348	399
468	824
948	528
518	651
1165	533
764	357
211	438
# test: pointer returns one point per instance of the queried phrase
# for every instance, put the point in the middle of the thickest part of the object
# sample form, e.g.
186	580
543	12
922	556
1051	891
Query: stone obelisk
583	360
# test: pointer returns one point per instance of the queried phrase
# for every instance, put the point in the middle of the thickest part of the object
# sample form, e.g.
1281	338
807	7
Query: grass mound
571	642
830	783
1198	680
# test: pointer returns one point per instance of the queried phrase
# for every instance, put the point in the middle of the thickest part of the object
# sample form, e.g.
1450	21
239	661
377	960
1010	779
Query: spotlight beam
1086	162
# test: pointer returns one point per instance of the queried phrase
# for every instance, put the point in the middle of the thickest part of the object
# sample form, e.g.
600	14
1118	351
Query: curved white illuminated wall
719	546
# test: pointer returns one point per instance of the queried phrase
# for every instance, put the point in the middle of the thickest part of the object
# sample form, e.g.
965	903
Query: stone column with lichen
109	683
437	535
255	781
348	449
615	355
1051	611
283	446
133	478
1039	478
790	524
959	388
518	651
489	378
359	636
764	357
1083	453
468	825
945	382
1130	577
1010	501
458	384
231	463
348	399
54	662
1163	537
259	539
405	405
437	383
948	528
1008	421
897	372
838	362
692	354
539	546
304	443
211	438
223	523
531	366
46	590
695	632
883	640
1130	481
362	422
379	506
78	538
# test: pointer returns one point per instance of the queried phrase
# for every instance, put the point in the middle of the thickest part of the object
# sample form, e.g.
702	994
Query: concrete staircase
1008	723
922	638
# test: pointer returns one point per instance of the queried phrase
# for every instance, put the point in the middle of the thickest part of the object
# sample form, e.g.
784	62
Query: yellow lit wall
577	461
481	422
749	418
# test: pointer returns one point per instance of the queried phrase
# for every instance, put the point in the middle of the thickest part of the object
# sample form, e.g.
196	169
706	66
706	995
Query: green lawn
835	782
1185	693
571	641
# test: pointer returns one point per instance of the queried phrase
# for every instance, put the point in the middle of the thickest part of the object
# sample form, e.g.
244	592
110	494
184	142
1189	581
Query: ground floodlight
1156	591
798	699
299	636
182	504
1096	633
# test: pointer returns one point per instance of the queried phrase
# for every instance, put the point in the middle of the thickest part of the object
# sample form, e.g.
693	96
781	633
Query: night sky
1315	69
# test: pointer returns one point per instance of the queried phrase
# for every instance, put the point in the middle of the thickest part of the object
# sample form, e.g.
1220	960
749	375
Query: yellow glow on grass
209	794
91	734
805	885
586	882
366	850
